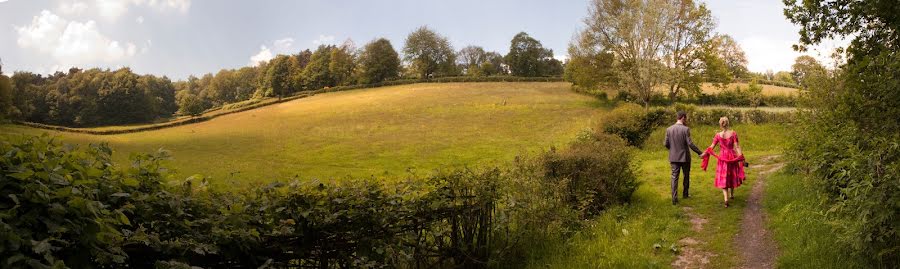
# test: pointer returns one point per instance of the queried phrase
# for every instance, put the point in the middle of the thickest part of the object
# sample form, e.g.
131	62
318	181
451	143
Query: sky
178	38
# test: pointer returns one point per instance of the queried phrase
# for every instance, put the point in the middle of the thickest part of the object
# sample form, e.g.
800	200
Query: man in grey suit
678	140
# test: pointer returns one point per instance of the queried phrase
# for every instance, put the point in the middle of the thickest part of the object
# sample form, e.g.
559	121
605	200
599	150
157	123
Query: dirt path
691	255
754	242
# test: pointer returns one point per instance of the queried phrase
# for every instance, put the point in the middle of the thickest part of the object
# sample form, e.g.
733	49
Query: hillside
365	132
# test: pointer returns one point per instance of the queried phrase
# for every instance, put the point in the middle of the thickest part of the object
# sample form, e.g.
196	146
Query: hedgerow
67	207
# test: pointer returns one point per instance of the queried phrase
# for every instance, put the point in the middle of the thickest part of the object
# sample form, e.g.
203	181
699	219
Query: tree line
95	97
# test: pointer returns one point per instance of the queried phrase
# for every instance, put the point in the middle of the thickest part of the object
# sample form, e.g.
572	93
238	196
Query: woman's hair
723	122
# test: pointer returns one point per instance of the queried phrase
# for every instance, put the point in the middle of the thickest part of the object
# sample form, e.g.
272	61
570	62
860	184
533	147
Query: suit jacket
678	140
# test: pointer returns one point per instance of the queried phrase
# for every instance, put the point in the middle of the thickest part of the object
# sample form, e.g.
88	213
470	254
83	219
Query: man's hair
681	115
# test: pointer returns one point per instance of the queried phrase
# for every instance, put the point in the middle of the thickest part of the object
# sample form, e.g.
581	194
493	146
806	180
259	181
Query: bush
596	173
65	207
632	123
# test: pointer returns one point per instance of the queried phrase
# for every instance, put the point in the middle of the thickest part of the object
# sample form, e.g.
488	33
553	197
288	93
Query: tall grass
797	218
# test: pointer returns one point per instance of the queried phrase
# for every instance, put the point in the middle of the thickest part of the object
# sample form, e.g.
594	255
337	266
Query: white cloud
72	7
178	5
324	40
71	42
280	46
146	46
265	54
113	9
778	55
284	44
139	19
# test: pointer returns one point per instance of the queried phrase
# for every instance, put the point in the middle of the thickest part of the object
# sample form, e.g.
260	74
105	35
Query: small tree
805	67
378	62
317	74
528	58
470	59
278	76
343	63
429	54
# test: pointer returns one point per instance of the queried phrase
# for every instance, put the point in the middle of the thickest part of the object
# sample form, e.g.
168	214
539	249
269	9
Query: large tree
429	54
732	54
278	76
470	59
589	67
343	63
689	31
636	32
804	68
653	42
378	62
317	74
527	57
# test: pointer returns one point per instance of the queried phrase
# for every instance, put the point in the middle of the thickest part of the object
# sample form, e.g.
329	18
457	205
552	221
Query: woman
730	167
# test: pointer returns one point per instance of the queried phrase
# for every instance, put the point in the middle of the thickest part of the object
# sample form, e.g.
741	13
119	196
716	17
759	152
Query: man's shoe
686	196
674	202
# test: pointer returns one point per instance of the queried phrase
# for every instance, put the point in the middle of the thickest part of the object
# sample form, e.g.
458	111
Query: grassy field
365	132
799	225
767	89
625	236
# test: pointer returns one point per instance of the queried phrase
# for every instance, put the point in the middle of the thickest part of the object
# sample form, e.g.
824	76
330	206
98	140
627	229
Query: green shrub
632	122
63	207
596	173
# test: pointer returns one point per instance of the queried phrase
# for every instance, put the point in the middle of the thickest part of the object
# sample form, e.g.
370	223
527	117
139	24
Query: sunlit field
367	132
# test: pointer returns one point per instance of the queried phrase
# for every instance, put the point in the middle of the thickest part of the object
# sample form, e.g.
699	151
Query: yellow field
767	89
365	132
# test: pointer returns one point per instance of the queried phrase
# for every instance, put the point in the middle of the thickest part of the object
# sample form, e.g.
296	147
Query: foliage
654	42
528	58
343	64
189	103
65	207
378	62
277	77
806	67
635	31
317	74
632	123
595	172
91	97
848	137
722	59
797	219
429	54
589	68
6	97
689	32
732	54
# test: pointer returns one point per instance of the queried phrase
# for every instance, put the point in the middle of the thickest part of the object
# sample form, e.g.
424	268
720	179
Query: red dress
730	167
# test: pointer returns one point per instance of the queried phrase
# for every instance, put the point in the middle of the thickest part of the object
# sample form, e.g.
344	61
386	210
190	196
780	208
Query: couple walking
730	166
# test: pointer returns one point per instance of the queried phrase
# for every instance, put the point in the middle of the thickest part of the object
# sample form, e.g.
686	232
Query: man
678	140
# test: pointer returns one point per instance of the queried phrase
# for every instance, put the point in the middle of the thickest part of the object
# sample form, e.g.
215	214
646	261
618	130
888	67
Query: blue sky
177	38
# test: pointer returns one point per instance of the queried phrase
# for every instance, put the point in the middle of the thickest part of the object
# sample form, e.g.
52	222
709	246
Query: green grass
366	132
625	236
797	219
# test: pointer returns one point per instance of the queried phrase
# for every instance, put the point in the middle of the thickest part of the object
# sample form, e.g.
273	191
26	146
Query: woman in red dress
730	166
